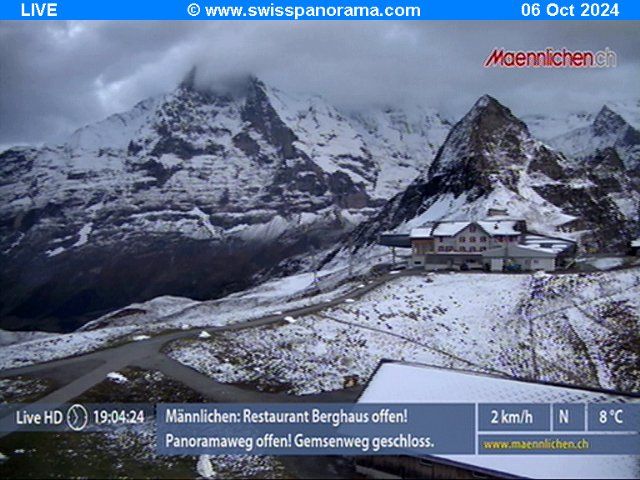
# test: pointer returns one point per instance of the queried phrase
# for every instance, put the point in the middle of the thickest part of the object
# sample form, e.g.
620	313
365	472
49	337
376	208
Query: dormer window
472	228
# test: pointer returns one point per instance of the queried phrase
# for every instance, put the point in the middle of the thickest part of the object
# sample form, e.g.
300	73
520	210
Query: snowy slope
407	138
383	149
575	329
545	127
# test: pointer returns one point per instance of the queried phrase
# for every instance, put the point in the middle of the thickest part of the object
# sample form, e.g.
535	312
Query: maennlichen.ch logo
551	58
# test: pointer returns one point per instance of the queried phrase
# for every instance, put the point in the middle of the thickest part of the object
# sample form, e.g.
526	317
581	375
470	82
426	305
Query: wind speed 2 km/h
562	9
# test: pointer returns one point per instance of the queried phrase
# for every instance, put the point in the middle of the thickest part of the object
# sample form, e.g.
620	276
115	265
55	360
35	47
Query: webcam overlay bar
352	429
378	10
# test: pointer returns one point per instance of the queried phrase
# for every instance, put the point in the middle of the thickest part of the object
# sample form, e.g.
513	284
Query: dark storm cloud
55	77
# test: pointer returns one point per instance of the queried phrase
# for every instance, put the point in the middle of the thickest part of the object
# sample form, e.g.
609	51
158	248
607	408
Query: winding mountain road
75	375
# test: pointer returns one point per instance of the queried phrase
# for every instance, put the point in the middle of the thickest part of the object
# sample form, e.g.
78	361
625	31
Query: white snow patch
83	234
117	377
205	468
605	263
55	251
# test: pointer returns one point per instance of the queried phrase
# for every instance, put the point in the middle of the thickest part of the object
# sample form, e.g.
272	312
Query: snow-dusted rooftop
422	232
397	382
544	243
498	226
513	250
636	243
448	229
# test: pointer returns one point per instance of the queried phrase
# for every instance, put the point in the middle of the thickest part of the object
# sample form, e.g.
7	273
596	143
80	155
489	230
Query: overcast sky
58	76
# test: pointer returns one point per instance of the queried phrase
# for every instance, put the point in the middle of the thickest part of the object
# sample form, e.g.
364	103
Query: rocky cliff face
190	193
491	160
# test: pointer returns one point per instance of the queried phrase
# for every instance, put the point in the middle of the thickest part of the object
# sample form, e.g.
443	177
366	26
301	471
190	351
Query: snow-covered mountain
608	130
491	160
545	127
192	193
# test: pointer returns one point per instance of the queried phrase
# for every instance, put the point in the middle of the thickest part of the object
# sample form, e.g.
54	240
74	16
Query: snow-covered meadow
581	329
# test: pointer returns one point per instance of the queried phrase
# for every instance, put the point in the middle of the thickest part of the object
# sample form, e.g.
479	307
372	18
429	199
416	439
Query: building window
441	239
441	249
472	239
472	249
499	238
463	239
449	249
472	228
483	239
462	249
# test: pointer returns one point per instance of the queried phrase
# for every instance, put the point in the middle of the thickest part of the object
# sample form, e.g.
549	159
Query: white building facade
494	244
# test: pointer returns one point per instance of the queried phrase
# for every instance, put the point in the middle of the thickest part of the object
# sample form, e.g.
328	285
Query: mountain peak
237	86
485	101
189	80
488	116
490	113
608	121
488	138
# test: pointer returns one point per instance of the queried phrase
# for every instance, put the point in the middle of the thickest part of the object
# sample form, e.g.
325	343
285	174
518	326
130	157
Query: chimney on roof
497	212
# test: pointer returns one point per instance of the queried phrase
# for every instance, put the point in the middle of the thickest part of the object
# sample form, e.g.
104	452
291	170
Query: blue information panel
353	429
514	417
316	429
569	417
